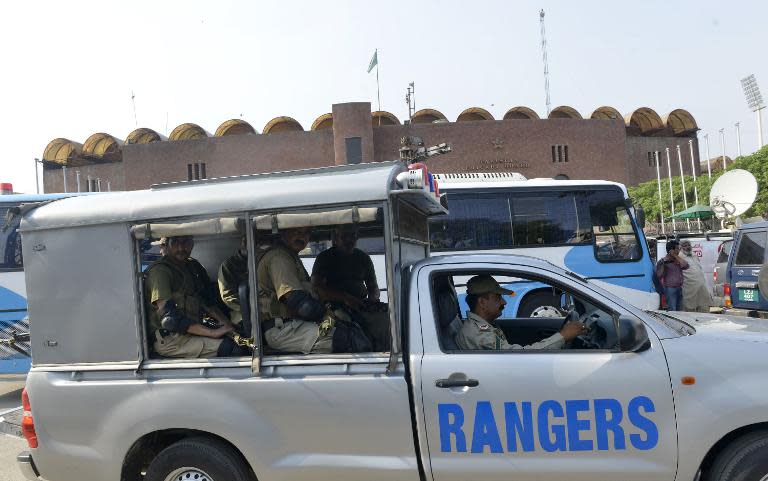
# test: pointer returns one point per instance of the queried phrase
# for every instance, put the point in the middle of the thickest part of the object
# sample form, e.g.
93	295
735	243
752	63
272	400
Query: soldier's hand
223	330
572	329
353	302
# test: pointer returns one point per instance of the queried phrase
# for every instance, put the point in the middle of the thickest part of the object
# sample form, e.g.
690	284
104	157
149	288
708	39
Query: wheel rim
546	311
188	474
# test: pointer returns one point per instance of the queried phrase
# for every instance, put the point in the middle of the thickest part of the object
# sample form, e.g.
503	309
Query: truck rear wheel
745	459
200	459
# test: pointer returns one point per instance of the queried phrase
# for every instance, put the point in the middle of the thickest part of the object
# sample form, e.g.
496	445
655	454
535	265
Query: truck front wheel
200	459
745	459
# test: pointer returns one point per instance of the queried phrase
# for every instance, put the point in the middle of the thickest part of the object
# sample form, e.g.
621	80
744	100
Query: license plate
748	295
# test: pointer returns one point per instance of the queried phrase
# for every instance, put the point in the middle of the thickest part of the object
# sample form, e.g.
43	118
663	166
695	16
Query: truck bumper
27	466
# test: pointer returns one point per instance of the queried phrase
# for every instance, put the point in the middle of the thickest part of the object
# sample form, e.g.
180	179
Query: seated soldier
178	300
232	273
486	302
345	274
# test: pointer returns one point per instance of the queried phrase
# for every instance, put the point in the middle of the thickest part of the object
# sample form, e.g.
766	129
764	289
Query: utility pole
738	140
544	55
410	99
722	144
661	199
709	167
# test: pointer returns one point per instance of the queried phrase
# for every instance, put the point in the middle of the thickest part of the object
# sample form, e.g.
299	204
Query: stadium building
566	144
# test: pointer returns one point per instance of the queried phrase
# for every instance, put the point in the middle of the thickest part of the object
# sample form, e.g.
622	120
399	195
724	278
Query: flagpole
378	90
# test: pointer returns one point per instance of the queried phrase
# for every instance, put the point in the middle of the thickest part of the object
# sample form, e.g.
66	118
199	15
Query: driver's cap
485	284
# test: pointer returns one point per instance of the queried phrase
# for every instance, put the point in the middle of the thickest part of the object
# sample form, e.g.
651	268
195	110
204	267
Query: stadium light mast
544	56
755	102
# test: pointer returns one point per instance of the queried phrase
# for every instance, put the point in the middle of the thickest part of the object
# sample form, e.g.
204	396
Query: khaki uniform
476	333
279	272
232	273
167	280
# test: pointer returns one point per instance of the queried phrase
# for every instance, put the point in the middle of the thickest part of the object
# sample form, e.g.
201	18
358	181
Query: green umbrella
695	212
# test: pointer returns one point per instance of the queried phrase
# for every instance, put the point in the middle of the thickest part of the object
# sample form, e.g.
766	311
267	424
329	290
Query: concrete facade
601	147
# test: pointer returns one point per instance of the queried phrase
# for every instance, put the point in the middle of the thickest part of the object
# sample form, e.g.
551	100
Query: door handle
447	383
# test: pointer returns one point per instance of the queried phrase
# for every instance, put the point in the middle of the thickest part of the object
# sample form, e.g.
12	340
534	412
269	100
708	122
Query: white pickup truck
639	396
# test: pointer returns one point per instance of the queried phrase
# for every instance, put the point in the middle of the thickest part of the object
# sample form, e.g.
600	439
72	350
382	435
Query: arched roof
644	118
427	116
381	117
188	131
62	151
234	127
680	121
474	113
606	113
143	135
522	113
565	112
282	124
101	144
323	122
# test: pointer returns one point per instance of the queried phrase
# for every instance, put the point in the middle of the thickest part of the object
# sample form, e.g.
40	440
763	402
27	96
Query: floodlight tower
544	55
755	102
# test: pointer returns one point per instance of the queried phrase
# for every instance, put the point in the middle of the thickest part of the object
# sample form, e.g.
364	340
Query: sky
69	69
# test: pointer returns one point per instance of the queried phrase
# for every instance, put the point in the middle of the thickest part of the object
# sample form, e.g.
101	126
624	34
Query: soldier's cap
485	284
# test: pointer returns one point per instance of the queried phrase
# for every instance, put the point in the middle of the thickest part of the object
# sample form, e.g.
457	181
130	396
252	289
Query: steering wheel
596	335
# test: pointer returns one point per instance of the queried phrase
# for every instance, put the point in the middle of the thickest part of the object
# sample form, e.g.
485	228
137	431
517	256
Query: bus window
547	219
10	242
615	237
476	221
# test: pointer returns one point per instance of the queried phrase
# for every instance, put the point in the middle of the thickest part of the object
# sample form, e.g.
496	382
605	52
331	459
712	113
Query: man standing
486	302
670	270
176	304
289	312
345	274
696	295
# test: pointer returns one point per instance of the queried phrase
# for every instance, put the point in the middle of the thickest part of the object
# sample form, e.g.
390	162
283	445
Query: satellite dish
733	193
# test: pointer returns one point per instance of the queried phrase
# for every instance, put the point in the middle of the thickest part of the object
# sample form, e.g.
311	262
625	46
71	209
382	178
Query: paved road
10	398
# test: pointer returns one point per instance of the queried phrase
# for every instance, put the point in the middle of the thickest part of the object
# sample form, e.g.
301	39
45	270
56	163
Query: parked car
720	274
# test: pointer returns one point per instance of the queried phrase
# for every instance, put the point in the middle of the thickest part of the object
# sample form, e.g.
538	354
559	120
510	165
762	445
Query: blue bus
14	323
588	227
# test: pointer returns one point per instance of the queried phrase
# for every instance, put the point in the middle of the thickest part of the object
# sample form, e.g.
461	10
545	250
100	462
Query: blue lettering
643	423
448	427
485	433
516	426
603	424
558	430
576	425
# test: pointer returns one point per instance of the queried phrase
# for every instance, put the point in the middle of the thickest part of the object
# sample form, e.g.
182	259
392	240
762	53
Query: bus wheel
745	459
200	459
538	304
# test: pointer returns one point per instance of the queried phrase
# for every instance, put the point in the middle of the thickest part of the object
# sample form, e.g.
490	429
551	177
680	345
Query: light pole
682	181
755	102
695	187
661	201
709	167
671	196
722	144
37	180
738	140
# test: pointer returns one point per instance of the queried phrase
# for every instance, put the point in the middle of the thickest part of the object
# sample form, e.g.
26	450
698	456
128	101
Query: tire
536	300
745	459
201	459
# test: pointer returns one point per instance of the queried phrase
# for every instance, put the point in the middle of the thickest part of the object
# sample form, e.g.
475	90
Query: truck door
580	414
747	260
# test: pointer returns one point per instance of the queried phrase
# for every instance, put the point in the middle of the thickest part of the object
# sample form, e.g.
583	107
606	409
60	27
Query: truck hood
748	329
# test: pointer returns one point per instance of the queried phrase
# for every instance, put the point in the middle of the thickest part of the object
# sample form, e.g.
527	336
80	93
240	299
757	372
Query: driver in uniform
486	302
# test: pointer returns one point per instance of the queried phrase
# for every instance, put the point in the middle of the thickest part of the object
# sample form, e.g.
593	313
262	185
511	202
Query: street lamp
755	102
738	140
709	167
722	144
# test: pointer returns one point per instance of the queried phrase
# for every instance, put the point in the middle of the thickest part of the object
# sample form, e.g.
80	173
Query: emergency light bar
419	177
6	188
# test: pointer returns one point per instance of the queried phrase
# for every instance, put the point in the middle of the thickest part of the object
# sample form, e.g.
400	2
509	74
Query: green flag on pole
374	60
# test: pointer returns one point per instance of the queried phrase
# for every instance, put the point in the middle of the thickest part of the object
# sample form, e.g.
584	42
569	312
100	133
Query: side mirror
640	213
633	337
566	302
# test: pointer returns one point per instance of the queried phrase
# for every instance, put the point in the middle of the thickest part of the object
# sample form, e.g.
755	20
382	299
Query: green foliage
647	193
